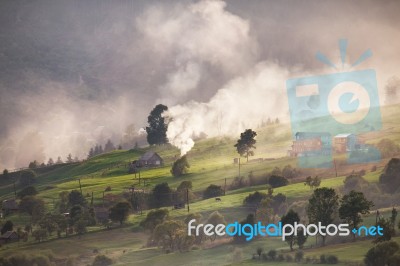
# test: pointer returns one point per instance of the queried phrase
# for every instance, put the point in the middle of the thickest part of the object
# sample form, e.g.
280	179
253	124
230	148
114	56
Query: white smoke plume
203	37
242	103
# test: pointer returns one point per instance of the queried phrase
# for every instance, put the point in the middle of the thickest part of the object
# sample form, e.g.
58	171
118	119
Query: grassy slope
211	162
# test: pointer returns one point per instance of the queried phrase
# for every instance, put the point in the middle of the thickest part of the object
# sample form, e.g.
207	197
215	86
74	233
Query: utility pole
334	163
139	178
239	167
187	199
15	191
225	186
80	186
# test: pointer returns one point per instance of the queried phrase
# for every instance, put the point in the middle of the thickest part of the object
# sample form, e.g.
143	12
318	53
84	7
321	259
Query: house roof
10	204
344	135
8	234
148	155
311	135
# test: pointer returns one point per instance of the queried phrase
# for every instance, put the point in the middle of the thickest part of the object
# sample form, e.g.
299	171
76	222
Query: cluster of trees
270	122
171	235
162	195
98	149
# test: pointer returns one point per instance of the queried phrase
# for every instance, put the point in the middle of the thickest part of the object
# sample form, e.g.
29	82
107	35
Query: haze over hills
76	73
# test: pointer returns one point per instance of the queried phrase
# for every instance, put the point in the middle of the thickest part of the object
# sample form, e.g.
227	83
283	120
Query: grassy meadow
211	162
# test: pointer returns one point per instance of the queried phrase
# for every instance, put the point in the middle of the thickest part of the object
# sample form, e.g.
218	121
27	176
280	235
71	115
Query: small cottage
9	206
150	159
9	236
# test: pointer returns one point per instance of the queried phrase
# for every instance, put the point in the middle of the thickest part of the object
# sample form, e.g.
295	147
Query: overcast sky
76	71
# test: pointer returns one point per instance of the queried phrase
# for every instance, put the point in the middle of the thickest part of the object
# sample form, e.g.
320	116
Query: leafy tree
259	252
32	205
102	260
8	226
75	214
352	206
162	195
254	198
250	219
183	189
80	226
50	162
5	174
172	235
301	238
387	228
213	191
69	158
33	165
154	218
39	234
59	161
381	254
277	181
120	212
27	191
390	178
245	144
388	148
180	166
47	222
109	146
290	218
354	182
322	207
157	129
91	153
63	202
312	182
75	198
27	178
289	172
61	223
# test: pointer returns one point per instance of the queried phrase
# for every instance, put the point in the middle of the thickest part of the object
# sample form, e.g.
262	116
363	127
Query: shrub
102	260
213	191
180	167
108	188
298	257
254	198
289	258
272	254
322	259
280	258
277	181
27	178
332	259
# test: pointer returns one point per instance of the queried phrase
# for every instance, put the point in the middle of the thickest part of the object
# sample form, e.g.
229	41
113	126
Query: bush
27	178
289	258
27	191
322	259
272	254
298	257
180	167
332	259
390	178
213	191
277	181
102	260
254	198
280	258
